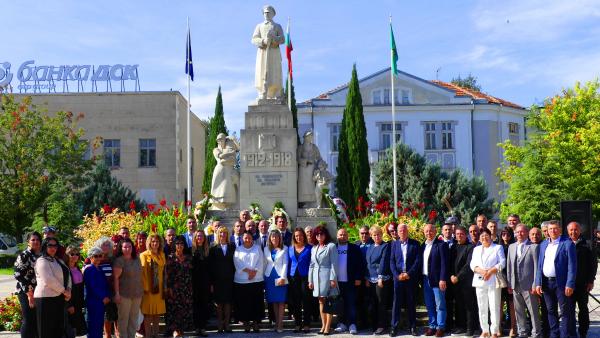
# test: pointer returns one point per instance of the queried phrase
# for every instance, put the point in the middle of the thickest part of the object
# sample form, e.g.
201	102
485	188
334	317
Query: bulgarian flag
288	49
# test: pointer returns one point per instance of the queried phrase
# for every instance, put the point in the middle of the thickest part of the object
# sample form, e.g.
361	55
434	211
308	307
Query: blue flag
189	66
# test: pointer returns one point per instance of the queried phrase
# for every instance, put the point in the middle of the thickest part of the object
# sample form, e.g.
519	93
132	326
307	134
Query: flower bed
10	314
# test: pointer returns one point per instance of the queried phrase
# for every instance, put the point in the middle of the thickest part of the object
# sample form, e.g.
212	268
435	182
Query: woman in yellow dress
153	277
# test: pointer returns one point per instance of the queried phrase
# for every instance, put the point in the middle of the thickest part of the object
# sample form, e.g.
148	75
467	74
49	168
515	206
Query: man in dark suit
263	233
449	237
238	231
521	263
406	268
586	274
282	226
555	280
461	278
434	255
362	306
351	272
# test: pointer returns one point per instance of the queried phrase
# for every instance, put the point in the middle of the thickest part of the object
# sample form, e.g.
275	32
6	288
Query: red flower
132	205
116	238
163	202
421	205
368	204
399	204
106	208
144	213
415	213
188	203
153	227
432	215
151	206
351	225
176	212
156	212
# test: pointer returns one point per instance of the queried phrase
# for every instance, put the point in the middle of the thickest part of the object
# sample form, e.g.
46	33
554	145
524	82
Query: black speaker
580	212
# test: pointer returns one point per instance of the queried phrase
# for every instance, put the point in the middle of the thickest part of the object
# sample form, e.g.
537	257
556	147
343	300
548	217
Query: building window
386	135
112	153
430	136
386	97
147	152
405	96
335	135
377	97
447	135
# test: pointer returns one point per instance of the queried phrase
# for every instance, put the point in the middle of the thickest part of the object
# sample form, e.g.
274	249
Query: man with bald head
263	232
405	263
520	271
434	255
350	273
535	235
587	265
251	228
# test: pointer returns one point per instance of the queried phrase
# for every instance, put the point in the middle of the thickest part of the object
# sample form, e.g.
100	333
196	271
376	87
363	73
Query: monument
268	162
273	168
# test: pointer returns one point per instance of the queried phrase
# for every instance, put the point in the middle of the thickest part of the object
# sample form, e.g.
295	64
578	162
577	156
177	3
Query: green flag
394	51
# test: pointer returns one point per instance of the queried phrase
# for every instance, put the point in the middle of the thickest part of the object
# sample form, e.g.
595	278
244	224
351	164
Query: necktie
239	241
264	240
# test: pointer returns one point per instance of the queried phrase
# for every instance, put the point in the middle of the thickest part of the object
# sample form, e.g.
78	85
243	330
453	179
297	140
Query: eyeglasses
75	254
392	230
179	243
317	235
505	234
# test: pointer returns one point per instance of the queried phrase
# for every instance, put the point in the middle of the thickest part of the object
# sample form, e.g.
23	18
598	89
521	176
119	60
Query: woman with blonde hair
200	281
154	281
222	271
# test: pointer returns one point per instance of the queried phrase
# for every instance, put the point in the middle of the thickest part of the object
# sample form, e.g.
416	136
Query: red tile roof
461	91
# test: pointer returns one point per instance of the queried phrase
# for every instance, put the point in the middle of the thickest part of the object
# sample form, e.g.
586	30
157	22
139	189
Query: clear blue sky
521	51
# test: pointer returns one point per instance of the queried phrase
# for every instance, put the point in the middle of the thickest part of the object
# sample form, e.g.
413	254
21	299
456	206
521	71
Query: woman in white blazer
276	265
487	259
248	286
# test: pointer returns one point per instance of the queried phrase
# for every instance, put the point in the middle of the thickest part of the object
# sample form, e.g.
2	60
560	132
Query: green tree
36	150
293	105
61	210
353	148
105	189
422	182
559	161
215	127
469	82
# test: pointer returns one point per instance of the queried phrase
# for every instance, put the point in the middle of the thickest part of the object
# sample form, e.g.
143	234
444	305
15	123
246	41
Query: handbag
334	304
501	281
111	312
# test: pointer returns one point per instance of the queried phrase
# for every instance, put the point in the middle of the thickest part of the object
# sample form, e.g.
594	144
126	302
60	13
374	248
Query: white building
451	125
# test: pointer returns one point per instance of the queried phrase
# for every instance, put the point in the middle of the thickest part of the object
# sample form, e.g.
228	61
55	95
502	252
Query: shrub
10	314
7	261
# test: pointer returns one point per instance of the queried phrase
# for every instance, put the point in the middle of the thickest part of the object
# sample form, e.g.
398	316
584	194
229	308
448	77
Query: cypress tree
358	149
294	109
353	171
215	127
343	179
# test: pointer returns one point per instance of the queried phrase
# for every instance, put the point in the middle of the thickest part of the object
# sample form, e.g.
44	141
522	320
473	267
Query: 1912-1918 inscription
269	159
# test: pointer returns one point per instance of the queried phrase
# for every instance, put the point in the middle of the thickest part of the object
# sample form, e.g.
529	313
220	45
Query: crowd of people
481	280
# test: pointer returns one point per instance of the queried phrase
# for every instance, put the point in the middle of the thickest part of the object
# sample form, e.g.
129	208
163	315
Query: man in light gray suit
521	265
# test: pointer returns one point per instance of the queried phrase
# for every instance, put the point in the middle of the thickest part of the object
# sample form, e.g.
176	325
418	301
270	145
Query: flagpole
289	75
189	153
394	130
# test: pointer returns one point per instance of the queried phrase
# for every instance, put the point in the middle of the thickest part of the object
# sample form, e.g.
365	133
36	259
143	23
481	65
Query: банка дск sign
29	72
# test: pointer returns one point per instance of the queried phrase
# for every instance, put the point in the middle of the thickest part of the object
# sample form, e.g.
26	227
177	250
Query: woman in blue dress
276	281
96	293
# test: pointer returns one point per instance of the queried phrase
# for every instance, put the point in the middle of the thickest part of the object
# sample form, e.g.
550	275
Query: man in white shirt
434	274
555	280
351	271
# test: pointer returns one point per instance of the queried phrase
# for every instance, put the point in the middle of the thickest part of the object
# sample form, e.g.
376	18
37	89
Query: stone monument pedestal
268	162
316	216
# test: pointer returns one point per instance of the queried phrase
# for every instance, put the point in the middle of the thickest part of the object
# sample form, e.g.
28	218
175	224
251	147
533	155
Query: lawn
6	271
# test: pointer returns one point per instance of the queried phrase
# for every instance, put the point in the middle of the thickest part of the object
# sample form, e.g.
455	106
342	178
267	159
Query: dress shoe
393	332
458	332
414	332
429	332
470	333
439	333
